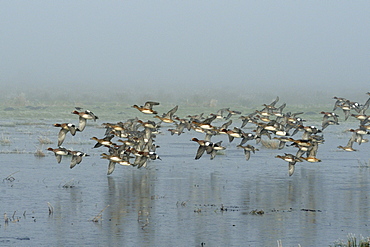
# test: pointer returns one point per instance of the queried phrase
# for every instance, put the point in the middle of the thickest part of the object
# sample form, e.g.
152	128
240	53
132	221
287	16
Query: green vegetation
123	110
48	104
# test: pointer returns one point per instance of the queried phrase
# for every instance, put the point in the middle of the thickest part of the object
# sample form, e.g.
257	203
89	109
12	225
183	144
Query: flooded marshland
176	201
203	56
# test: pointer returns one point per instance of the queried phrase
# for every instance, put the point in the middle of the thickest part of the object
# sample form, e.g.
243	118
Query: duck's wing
231	138
74	161
291	168
325	124
94	117
58	157
111	167
359	138
280	108
313	150
150	104
141	161
299	153
209	120
200	152
247	154
180	128
366	106
98	144
61	136
171	112
227	124
81	123
213	154
275	101
346	114
79	158
72	129
209	149
281	145
352	140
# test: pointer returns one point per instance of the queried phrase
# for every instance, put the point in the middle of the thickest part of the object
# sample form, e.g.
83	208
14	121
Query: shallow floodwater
179	201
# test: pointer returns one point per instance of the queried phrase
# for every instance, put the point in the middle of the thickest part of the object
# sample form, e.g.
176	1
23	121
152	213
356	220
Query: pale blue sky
141	45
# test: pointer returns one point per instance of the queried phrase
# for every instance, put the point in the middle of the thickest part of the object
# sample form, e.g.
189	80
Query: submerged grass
4	140
363	164
352	241
270	144
99	216
44	140
15	151
39	153
7	124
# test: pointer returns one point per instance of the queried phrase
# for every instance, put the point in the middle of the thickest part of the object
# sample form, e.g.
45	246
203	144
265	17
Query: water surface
178	201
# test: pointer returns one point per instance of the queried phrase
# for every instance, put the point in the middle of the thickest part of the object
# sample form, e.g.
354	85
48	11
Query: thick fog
172	50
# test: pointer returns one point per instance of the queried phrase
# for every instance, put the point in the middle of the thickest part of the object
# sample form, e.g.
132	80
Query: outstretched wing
200	152
149	104
111	167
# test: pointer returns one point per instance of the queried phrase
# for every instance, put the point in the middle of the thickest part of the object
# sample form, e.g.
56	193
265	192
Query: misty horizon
304	52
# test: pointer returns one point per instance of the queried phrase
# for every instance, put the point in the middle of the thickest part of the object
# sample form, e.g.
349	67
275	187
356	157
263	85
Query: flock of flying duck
136	143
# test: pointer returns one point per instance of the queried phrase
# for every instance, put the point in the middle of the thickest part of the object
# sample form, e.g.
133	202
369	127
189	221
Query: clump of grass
39	153
44	140
352	241
280	244
99	216
146	221
139	215
364	164
15	151
270	144
4	140
257	212
8	124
